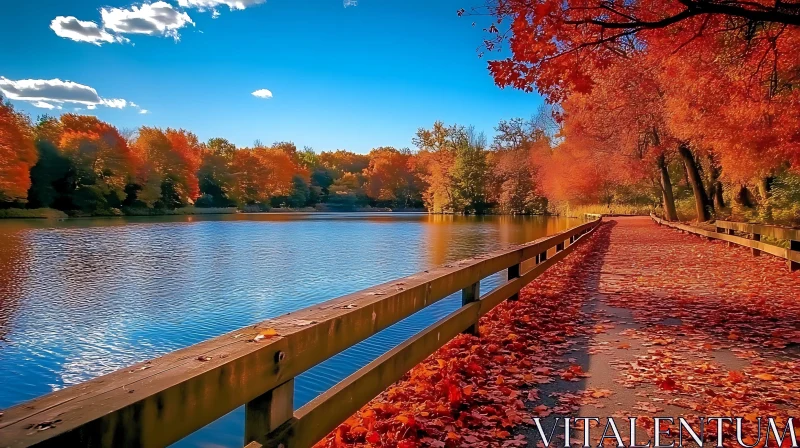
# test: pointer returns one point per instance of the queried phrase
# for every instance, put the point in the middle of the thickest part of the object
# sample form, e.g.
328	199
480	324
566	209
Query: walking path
640	321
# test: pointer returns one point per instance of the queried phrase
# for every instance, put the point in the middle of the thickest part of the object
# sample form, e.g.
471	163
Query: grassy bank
39	213
577	211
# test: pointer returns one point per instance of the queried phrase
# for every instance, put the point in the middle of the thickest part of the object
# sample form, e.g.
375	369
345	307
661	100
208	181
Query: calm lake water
81	298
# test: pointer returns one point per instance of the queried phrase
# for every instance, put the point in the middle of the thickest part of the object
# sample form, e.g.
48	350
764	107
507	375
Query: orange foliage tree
721	75
101	158
518	150
17	154
187	155
437	157
341	162
391	176
262	173
166	166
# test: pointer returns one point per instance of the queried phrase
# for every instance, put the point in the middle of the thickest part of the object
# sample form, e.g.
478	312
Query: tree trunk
719	201
742	197
693	174
714	185
666	191
764	188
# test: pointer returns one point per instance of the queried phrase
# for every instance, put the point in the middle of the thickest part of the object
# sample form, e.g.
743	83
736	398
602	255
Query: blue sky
341	78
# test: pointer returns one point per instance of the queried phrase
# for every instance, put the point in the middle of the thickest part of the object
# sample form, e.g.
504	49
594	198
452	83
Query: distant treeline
82	165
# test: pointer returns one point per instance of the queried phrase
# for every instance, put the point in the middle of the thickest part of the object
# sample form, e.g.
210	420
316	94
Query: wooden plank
267	412
513	272
157	403
746	242
777	232
754	251
471	294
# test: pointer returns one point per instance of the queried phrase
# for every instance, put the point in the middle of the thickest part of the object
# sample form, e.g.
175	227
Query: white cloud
144	111
204	5
214	14
43	105
80	31
154	19
51	93
116	103
262	93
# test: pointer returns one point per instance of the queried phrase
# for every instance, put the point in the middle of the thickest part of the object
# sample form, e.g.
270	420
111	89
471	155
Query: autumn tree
152	152
437	153
555	45
721	71
261	174
308	158
470	173
17	154
167	165
391	177
101	163
215	179
341	162
50	177
289	148
185	160
517	148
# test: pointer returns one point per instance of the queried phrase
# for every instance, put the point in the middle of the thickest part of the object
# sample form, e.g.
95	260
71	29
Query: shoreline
53	214
47	213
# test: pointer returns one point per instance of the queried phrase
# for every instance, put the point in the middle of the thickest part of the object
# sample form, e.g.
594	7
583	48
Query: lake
84	297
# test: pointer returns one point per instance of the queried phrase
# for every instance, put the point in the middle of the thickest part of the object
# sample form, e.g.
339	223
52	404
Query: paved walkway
679	326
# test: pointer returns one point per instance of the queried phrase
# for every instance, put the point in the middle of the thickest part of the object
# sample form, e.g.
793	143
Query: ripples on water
83	298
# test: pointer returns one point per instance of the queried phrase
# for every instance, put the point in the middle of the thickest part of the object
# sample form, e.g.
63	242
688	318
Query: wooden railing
156	403
726	232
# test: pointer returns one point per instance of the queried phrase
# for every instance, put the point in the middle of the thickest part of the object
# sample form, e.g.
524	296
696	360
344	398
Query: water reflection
82	298
14	259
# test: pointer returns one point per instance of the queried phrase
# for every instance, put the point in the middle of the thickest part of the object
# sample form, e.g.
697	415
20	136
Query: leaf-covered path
639	321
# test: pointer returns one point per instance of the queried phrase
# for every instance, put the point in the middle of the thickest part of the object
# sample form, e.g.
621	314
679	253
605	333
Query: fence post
730	232
756	237
268	411
794	246
513	272
470	294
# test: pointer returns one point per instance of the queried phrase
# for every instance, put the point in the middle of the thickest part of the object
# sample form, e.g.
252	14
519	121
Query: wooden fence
158	402
726	231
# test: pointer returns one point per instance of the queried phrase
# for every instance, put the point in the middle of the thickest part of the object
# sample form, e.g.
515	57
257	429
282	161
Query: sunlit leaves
17	154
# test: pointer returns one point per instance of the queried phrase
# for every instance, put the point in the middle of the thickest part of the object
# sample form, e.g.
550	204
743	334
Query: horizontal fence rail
725	232
158	402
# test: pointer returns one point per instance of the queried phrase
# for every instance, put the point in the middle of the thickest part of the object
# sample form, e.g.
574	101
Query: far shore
49	213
